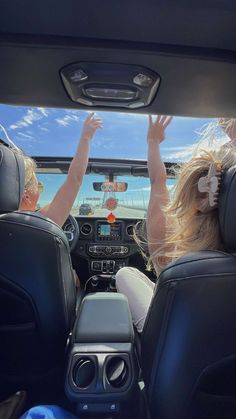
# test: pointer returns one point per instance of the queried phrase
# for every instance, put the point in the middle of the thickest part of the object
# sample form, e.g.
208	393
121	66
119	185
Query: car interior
78	348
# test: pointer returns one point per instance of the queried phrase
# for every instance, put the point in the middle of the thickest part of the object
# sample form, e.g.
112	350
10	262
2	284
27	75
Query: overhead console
108	84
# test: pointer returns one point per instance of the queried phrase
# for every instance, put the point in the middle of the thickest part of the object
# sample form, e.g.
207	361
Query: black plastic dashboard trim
98	166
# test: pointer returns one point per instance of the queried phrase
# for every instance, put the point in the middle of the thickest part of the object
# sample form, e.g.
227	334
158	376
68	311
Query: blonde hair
30	168
30	165
188	229
30	179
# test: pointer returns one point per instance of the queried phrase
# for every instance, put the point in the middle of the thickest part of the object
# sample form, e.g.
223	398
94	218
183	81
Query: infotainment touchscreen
108	232
105	230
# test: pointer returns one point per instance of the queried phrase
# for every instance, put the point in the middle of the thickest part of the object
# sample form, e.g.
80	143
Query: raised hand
156	128
91	124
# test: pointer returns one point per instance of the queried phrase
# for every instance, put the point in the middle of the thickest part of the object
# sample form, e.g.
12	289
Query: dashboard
104	247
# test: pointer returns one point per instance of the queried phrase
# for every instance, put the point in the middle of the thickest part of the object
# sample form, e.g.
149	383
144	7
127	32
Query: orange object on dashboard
111	218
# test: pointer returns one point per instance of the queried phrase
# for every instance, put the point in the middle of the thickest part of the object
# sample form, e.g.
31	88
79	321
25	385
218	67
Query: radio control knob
108	249
124	249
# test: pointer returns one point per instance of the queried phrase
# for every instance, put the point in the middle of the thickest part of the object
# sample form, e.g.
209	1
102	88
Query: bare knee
124	276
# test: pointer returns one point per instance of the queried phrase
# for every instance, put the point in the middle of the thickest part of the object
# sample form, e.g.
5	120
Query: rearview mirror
110	186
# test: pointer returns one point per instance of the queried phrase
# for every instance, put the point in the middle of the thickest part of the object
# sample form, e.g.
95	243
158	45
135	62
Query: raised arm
59	209
156	226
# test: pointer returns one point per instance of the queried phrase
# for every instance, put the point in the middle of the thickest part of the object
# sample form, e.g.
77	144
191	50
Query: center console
109	254
103	248
102	372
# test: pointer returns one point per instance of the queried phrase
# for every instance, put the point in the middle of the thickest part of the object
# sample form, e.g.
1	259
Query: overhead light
110	93
78	75
143	80
110	85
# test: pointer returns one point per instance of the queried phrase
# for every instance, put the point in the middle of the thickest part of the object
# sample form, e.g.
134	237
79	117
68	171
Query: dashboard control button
124	249
96	265
108	249
108	266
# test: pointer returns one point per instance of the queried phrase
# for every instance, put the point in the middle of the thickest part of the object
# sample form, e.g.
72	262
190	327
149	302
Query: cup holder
116	372
84	372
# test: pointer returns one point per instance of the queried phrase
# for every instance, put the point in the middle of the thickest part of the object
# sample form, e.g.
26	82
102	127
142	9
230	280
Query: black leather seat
189	339
37	292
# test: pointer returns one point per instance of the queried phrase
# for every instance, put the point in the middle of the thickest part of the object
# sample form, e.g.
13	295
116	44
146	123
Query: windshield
55	132
131	204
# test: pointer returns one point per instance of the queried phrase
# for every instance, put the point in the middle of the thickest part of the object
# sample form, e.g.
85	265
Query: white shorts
139	290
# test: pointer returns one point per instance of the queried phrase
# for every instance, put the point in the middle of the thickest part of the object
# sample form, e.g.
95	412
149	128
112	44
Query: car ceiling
191	44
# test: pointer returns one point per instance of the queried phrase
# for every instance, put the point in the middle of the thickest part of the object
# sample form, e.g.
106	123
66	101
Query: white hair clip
210	184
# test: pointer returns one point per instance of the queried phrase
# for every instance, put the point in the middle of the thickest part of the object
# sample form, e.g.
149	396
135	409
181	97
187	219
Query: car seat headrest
227	209
12	179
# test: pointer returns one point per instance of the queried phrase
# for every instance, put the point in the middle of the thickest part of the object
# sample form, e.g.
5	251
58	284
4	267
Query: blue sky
55	132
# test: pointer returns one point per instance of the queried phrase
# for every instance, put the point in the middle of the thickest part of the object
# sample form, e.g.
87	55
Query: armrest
104	317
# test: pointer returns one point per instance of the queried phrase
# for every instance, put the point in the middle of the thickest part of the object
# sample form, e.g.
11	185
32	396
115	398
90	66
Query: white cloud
26	136
43	128
67	120
186	152
28	119
43	111
104	143
179	154
143	189
175	148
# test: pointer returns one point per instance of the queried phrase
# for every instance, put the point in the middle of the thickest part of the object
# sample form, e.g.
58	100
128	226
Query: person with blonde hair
187	222
59	208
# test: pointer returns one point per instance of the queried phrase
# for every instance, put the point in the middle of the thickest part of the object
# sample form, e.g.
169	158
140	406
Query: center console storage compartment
102	371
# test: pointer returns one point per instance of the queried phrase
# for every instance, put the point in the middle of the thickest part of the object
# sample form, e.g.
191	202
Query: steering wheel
71	230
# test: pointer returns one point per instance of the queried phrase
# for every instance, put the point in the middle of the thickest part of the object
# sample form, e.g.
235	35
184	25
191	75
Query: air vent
86	229
84	373
116	372
130	230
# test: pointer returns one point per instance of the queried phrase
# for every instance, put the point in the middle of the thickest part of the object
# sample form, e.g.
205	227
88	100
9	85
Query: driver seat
37	291
188	348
